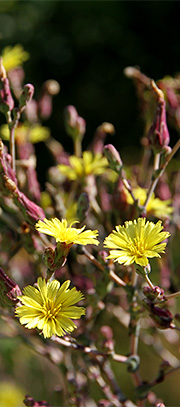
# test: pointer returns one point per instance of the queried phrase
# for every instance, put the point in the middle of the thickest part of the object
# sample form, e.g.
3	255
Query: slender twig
12	148
149	282
159	175
117	279
174	295
93	259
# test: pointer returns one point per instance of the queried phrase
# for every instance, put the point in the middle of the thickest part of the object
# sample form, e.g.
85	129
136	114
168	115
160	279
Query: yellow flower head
82	167
14	57
24	132
50	307
155	206
136	241
64	234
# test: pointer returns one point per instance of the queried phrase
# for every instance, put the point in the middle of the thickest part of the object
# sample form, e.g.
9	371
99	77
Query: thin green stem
117	279
149	282
77	147
159	175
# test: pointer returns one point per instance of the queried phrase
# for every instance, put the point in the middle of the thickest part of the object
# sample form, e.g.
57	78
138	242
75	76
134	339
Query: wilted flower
50	307
64	234
81	167
137	241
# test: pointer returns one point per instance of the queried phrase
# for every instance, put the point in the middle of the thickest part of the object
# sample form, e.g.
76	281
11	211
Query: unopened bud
31	210
26	95
113	157
158	134
6	100
161	316
75	125
49	259
9	290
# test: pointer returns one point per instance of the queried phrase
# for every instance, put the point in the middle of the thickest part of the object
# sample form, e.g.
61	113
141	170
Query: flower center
137	247
49	310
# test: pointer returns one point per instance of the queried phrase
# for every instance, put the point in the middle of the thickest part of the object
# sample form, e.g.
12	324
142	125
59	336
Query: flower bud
113	157
9	290
74	124
49	259
31	210
162	317
6	100
158	134
101	132
26	95
153	294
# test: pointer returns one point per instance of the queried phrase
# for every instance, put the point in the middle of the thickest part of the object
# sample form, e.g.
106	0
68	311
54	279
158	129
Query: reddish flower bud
30	209
113	157
26	95
49	259
6	100
9	290
75	125
101	132
161	316
158	134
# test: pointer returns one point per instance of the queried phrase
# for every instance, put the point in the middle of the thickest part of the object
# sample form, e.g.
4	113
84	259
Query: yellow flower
24	132
136	241
64	234
155	206
87	165
14	57
50	307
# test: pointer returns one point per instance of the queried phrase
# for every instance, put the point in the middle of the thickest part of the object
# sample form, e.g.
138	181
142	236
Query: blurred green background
85	46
